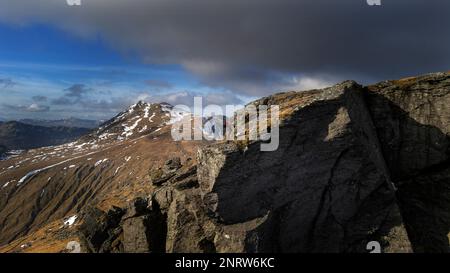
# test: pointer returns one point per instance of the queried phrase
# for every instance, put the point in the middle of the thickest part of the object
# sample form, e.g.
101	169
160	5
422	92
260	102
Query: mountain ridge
20	136
355	164
69	122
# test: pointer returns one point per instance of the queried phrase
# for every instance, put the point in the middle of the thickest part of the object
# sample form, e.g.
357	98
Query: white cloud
187	98
298	83
37	108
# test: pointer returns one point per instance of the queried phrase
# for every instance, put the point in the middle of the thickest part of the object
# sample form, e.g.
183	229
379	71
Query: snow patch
100	162
7	183
143	129
128	130
80	146
150	118
146	111
30	174
105	136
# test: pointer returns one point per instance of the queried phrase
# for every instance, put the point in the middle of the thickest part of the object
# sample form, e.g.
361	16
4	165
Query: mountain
19	136
3	150
105	168
70	122
355	165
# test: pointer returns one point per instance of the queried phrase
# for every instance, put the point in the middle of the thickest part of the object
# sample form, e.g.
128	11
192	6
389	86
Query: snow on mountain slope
139	119
105	168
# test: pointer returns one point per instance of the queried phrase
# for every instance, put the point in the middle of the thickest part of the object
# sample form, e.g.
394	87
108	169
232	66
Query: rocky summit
355	165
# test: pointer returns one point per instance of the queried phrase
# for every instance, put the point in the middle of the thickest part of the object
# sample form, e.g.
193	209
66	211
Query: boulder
161	175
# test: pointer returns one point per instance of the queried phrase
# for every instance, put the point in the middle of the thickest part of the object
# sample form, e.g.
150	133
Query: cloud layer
257	46
7	82
32	108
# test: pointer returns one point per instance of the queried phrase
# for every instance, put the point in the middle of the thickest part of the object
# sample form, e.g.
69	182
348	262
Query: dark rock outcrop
162	174
316	191
412	118
139	228
101	231
144	228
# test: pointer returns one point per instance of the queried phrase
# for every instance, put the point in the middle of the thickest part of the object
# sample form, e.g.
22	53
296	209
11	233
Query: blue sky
39	64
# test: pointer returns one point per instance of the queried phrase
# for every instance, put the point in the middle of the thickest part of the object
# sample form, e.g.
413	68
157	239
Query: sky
92	61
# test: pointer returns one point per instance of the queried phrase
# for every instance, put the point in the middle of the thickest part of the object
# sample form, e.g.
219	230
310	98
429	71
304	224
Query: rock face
138	229
326	188
161	175
412	117
354	165
101	230
144	228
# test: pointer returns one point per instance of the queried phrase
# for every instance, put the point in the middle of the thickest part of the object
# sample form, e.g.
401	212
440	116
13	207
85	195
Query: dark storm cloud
80	97
73	95
77	91
254	46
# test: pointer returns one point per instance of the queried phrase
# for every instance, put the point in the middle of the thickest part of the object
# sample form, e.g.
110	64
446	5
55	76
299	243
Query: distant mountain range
17	135
2	150
69	122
